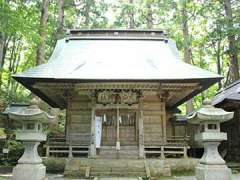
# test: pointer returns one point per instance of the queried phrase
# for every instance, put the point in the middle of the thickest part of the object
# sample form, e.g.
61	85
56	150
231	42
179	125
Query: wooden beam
141	132
118	132
164	121
93	134
115	85
68	120
115	106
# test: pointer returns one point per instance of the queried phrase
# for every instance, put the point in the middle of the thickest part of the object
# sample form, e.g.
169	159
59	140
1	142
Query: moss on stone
182	172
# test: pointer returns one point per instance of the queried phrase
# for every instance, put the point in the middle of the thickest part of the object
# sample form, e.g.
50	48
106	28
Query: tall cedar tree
42	32
233	51
187	48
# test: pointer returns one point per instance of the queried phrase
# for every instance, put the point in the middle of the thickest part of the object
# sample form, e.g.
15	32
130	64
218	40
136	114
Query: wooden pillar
185	152
118	132
92	152
47	151
68	119
70	154
162	153
164	119
141	132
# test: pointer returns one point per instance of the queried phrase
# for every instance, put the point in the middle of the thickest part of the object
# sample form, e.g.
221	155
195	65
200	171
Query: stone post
211	166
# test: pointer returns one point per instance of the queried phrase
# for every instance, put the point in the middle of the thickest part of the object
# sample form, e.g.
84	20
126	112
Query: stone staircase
126	152
105	168
118	168
84	167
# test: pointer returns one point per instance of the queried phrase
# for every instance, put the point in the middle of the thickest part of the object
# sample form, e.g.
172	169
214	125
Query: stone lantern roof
31	113
209	113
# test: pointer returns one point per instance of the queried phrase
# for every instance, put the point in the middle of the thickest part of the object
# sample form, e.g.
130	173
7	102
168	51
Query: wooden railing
177	140
57	146
172	146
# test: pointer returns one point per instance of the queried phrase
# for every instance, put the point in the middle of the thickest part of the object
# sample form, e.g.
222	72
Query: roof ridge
116	33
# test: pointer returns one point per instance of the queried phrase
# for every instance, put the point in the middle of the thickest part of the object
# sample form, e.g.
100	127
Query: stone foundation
79	167
158	167
213	172
29	172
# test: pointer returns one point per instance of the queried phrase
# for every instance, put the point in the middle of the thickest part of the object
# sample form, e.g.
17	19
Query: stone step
116	163
118	174
133	153
129	143
126	152
118	156
122	147
117	169
121	168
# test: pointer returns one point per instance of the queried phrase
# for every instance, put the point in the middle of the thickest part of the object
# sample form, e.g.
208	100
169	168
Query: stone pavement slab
120	178
60	177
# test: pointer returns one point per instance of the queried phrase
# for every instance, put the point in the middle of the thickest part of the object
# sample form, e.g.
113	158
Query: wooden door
127	127
109	119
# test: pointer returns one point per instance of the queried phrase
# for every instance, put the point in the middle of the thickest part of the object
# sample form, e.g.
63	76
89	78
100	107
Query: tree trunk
4	42
60	20
42	32
149	15
1	56
59	34
87	12
131	16
218	51
233	51
187	48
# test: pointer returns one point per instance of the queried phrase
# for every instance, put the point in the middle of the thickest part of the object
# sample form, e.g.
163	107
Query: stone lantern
32	120
211	166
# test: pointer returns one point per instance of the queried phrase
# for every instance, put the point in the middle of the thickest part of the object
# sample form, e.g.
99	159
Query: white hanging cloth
98	129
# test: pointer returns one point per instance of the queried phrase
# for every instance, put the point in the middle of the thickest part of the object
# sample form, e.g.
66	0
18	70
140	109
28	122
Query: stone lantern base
213	172
29	172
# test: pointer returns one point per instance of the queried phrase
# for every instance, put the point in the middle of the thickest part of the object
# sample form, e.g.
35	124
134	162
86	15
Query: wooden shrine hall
119	89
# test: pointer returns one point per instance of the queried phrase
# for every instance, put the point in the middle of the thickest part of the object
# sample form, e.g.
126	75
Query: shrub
55	165
16	150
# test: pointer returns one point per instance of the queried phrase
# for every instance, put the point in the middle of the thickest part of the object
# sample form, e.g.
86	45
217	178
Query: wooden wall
156	126
79	120
154	121
232	145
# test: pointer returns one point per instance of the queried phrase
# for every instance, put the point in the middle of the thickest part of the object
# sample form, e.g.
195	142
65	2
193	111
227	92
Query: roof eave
28	82
210	82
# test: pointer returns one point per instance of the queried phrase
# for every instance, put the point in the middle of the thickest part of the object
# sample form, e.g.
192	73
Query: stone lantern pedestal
30	165
211	166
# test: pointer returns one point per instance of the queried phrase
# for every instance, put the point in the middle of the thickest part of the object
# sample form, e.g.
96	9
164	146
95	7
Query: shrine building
120	88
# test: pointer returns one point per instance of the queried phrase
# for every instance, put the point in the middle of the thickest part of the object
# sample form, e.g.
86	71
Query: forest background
207	33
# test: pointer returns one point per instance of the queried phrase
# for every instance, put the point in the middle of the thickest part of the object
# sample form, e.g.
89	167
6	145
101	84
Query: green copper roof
108	55
116	60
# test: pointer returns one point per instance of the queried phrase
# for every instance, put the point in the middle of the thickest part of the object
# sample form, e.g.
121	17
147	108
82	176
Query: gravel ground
60	177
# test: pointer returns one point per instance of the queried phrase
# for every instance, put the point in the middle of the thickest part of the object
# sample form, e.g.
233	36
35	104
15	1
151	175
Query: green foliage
183	172
55	165
2	132
15	151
